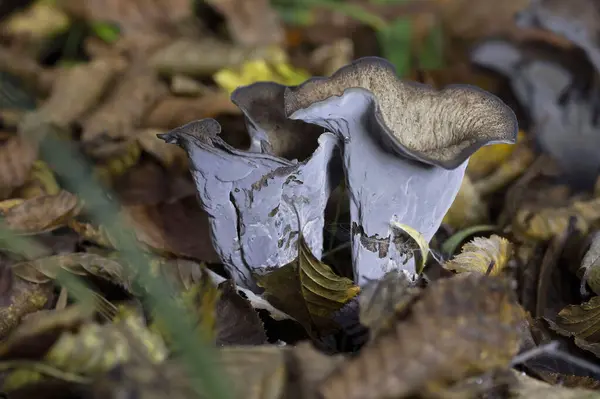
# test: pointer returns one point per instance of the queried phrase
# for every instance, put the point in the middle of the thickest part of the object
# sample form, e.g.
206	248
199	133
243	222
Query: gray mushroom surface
255	201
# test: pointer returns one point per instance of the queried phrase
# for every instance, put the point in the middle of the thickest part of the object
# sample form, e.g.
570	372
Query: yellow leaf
468	209
477	256
422	246
259	70
41	181
119	163
489	157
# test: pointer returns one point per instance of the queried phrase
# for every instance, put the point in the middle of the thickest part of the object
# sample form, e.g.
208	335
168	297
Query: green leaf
395	41
106	31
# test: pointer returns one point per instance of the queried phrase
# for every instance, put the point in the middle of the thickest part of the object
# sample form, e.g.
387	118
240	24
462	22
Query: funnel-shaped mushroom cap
271	132
575	20
254	200
405	152
441	128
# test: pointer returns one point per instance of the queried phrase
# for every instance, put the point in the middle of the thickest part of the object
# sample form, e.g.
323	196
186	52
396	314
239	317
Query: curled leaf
421	247
482	255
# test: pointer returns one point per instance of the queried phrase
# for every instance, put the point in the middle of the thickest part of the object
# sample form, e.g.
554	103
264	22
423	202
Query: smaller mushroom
254	200
575	20
405	151
562	114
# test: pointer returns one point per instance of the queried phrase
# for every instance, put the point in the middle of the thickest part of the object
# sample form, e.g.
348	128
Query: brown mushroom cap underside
441	127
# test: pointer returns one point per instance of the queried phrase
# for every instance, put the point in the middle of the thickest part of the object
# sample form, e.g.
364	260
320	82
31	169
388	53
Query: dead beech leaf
530	388
581	322
468	208
125	107
180	228
118	164
251	22
138	16
237	322
172	112
308	290
16	159
78	88
480	254
381	300
479	314
590	266
44	270
42	214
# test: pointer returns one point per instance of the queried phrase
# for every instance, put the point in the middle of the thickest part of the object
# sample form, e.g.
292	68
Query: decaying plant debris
219	201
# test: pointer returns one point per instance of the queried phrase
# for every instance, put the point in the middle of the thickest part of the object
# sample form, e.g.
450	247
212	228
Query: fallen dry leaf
381	300
308	290
582	323
482	255
41	181
440	342
251	22
590	266
237	322
138	16
42	214
170	156
179	228
16	159
78	88
124	109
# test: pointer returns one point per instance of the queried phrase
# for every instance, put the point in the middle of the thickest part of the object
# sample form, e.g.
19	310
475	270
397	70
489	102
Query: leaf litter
464	310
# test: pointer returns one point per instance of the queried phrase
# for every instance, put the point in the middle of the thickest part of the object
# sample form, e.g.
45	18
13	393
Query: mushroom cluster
402	147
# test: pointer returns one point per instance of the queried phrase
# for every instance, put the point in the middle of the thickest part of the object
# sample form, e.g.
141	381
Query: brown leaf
78	88
480	254
180	228
381	300
581	322
308	290
251	22
202	58
237	322
126	105
143	16
172	112
38	332
440	342
16	159
79	263
42	214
